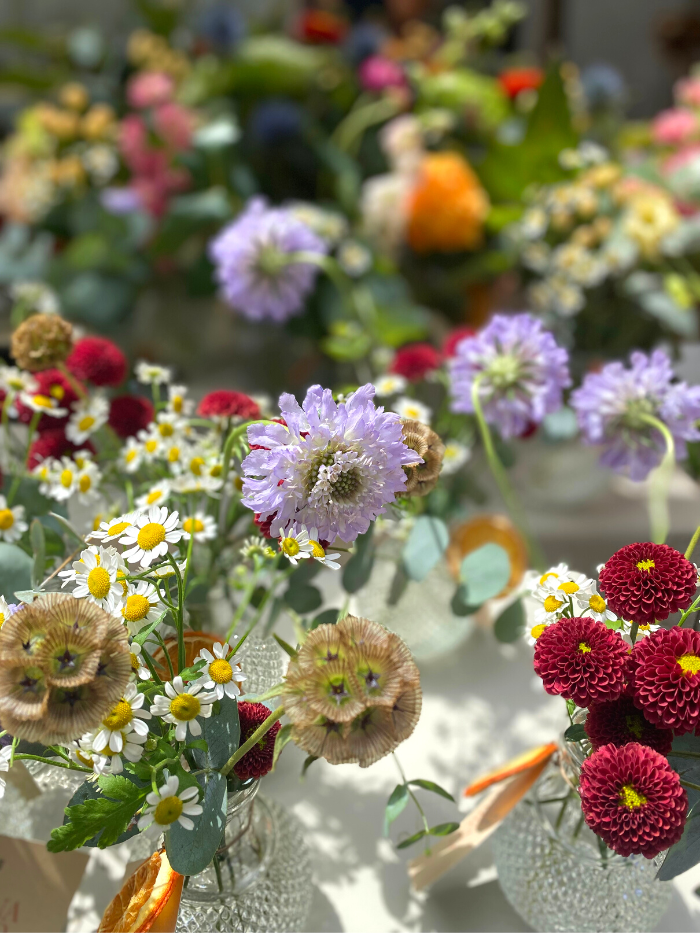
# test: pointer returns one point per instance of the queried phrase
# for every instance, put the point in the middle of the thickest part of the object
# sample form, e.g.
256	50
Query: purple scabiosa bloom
611	404
250	256
334	466
521	371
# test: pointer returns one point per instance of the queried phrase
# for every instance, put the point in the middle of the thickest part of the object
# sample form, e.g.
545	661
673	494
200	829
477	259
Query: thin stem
179	617
659	482
689	611
634	630
263	604
413	797
262	730
677	754
693	541
689	784
17	479
165	652
49	761
76	386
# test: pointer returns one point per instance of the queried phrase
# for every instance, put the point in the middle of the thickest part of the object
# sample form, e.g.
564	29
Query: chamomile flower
201	526
412	410
82	753
14	382
137	662
169	424
390	384
318	552
141	604
62	479
158	494
151	535
455	456
220	675
5	611
178	403
182	706
45	404
5	755
89	414
12	523
87	482
167	806
590	603
296	544
130	456
151	443
150	374
113	529
253	547
175	454
534	633
95	577
127	716
132	749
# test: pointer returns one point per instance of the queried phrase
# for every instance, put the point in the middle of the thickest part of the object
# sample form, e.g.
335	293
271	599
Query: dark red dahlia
619	722
449	347
54	443
128	414
647	582
415	361
263	524
56	385
666	678
258	761
98	361
225	403
581	660
632	798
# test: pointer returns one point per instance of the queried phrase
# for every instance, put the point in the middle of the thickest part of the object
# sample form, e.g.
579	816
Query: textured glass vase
556	873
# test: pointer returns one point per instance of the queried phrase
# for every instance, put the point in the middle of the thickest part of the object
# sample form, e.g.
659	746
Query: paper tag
36	886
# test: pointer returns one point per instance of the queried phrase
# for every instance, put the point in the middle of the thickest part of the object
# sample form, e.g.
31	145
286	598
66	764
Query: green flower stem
75	385
262	730
17	479
688	784
263	603
159	638
359	301
69	766
693	541
190	543
180	616
633	632
234	436
243	605
684	754
149	664
659	482
689	611
129	486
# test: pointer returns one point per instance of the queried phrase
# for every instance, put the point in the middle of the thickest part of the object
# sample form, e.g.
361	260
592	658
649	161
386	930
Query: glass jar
558	875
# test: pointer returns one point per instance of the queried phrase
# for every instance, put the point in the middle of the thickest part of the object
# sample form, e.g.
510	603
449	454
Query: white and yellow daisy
200	526
534	633
412	410
158	494
89	414
138	665
140	605
130	456
590	603
45	404
87	482
295	544
167	807
390	384
318	552
62	479
456	455
220	675
169	425
82	753
12	523
4	611
151	443
182	705
151	535
126	717
15	381
113	529
45	473
95	577
150	374
178	401
108	761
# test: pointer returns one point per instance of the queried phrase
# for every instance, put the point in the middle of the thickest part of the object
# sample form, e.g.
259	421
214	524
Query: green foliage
327	617
405	843
425	546
401	323
292	652
303	597
38	541
466	91
283	737
104	817
484	573
575	733
432	787
308	761
398	800
15	570
510	625
222	734
358	569
190	851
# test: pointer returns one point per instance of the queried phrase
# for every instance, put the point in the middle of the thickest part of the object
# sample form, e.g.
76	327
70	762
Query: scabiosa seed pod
632	798
665	672
129	414
619	722
257	762
226	403
415	361
581	660
98	361
41	342
646	582
422	477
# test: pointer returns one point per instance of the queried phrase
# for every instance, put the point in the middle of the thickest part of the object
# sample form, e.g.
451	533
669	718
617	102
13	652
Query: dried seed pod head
422	477
42	342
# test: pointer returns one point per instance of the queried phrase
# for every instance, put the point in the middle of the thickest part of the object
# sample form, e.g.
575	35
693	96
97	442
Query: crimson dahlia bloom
225	403
619	722
632	798
581	660
258	761
646	582
665	668
98	361
129	414
415	361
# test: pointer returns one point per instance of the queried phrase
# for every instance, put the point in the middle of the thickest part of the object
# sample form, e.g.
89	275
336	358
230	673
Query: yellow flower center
99	583
119	528
569	587
166	429
121	578
7	519
645	564
583	647
176	401
151	446
86	422
80	462
185	707
43	401
2	619
220	671
82	757
196	464
551	604
134	661
57	391
191	525
546	576
537	631
317	550
150	536
137	608
631	798
216	470
154	496
597	603
120	717
635	726
290	546
131	455
85	483
174	454
689	663
66	478
168	810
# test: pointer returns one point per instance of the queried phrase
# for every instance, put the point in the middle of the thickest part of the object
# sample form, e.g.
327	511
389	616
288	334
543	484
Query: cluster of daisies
638	681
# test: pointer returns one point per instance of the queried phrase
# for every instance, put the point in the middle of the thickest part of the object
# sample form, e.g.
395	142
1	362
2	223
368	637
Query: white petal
188	793
185	822
195	727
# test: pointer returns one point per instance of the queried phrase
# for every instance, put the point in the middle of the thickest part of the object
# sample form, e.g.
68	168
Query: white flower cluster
561	593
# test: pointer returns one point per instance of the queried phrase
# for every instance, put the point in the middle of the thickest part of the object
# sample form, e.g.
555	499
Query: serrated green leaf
510	625
140	639
425	546
444	829
433	787
411	839
222	733
283	737
190	851
105	815
396	804
484	573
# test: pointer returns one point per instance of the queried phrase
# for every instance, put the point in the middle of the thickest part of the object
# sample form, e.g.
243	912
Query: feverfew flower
390	384
178	403
412	410
521	372
12	523
334	466
252	268
150	374
45	404
130	456
181	706
296	545
221	675
138	665
126	717
86	481
141	604
95	577
200	526
611	406
13	381
168	424
455	456
158	494
167	806
113	529
151	535
589	602
89	414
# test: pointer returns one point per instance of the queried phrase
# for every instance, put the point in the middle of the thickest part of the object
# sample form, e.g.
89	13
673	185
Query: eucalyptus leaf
411	839
575	733
359	568
308	761
396	804
433	787
444	829
303	598
327	617
484	573
15	570
426	544
222	734
191	850
685	854
510	625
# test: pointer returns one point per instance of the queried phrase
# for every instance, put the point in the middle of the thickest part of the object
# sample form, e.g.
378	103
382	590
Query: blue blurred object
275	121
603	86
363	40
222	26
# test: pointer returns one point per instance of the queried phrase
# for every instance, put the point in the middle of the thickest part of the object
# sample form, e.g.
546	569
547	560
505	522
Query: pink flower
149	89
674	127
687	92
377	73
175	124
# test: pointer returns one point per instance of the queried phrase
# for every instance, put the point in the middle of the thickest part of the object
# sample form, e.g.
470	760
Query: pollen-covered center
168	810
343	479
154	496
196	464
689	663
569	587
119	528
120	717
317	550
597	603
537	630
546	576
551	604
191	525
137	607
86	422
43	401
583	647
631	798
220	671
85	483
66	478
7	519
166	429
134	661
645	565
290	546
185	707
98	583
150	536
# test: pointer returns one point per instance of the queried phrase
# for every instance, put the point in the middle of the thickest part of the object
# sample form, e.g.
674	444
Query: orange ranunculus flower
447	206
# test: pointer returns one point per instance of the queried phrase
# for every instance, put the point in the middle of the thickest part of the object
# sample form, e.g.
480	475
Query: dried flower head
422	477
42	342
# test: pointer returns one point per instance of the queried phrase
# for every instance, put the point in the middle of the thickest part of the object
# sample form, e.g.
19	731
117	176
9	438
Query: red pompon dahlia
581	660
619	722
455	337
54	443
258	761
264	525
665	668
54	384
647	582
225	403
128	414
415	361
632	798
98	361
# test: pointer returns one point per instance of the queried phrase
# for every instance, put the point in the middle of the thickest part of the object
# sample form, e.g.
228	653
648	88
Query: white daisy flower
390	384
354	258
167	806
87	482
43	403
126	717
178	403
181	706
14	382
412	410
151	535
62	479
590	603
89	414
157	495
456	455
132	749
175	454
560	571
137	663
150	374
296	544
221	676
5	755
12	523
4	611
95	577
82	753
534	633
151	443
200	525
141	605
168	424
318	552
114	528
130	456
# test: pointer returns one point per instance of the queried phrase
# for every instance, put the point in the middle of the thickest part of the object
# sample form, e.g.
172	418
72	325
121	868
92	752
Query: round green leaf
425	546
15	570
191	850
510	625
484	573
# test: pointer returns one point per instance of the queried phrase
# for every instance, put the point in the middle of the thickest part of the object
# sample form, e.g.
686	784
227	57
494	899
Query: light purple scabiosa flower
610	406
250	256
334	467
521	372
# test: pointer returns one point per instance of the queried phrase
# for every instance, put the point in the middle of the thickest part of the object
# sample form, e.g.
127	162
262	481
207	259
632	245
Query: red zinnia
54	384
225	403
620	722
647	582
54	443
415	361
632	798
456	336
666	671
581	660
515	80
258	761
99	361
128	414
